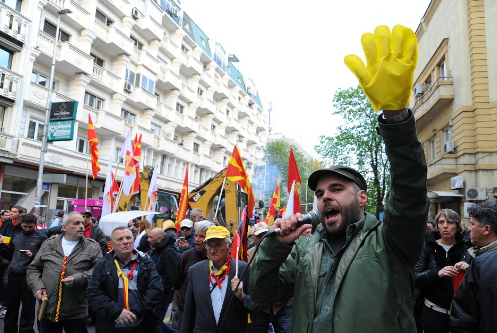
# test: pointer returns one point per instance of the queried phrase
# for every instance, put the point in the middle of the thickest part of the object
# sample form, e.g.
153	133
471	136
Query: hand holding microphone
288	229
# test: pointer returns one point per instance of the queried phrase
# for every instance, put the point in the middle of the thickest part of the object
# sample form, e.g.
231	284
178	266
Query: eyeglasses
186	228
217	246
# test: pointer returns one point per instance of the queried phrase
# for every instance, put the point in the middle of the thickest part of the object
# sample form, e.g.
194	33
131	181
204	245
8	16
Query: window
428	84
155	128
227	112
433	149
130	76
203	42
96	60
195	147
137	44
179	108
51	29
163	161
448	134
116	155
184	49
16	4
129	118
200	92
93	101
146	83
443	71
175	138
2	117
6	58
104	19
81	145
213	128
35	130
39	79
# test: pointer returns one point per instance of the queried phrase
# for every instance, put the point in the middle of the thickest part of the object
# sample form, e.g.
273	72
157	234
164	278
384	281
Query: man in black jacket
20	252
474	307
124	288
94	232
165	256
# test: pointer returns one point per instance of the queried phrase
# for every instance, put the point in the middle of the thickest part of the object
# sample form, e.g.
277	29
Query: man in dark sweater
21	250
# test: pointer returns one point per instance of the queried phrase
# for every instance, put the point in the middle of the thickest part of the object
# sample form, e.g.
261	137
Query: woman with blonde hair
141	241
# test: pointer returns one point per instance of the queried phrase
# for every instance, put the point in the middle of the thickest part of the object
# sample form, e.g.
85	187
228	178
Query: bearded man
355	273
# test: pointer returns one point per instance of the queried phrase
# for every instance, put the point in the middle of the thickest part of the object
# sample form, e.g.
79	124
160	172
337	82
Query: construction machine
207	196
167	201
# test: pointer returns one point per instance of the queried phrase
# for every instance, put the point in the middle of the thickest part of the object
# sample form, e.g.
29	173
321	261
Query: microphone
312	218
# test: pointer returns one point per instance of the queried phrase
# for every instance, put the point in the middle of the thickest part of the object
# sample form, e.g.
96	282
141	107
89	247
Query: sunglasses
217	246
185	228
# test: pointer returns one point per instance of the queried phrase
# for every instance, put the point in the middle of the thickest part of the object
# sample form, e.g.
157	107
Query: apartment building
140	66
455	101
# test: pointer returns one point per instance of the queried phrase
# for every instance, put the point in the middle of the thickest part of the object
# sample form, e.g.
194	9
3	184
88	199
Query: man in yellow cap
212	307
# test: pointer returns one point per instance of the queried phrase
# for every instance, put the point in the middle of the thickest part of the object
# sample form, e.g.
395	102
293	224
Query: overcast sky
293	51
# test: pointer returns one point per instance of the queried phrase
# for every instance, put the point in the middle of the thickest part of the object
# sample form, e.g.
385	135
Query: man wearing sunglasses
186	237
207	305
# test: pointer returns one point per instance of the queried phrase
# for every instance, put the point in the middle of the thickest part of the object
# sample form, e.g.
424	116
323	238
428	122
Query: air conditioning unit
476	193
128	87
466	206
418	90
456	183
206	66
135	13
449	147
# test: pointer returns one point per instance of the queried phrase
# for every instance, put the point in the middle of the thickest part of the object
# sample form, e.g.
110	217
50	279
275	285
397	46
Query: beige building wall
455	99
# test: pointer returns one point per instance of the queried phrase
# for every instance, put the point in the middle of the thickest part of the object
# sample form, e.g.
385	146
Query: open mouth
330	214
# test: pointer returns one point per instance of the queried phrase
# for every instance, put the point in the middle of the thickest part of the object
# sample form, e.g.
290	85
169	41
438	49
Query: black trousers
434	322
17	292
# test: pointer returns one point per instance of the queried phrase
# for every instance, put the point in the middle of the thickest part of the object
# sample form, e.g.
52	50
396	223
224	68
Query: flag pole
86	182
220	194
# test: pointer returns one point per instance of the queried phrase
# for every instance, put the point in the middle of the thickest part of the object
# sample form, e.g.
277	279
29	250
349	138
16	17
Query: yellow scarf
125	282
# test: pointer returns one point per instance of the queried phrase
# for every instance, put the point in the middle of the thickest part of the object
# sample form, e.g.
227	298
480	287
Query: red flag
183	203
237	174
137	152
93	141
243	255
275	202
456	280
236	244
293	175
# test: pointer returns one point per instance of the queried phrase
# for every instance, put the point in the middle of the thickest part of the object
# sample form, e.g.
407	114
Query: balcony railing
8	83
106	78
13	23
436	98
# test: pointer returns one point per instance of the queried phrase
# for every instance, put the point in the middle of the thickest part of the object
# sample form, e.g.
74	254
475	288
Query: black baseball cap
86	211
341	170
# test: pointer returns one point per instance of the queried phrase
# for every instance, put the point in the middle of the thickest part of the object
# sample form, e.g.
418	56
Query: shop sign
64	110
61	130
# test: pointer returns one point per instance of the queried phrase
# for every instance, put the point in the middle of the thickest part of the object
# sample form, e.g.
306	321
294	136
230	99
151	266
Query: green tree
277	154
357	144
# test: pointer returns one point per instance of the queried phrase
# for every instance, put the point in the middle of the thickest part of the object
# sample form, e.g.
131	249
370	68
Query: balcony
38	96
169	146
220	116
9	83
206	104
172	18
112	40
204	133
141	98
219	141
222	91
186	123
169	80
142	57
434	101
109	123
164	112
191	66
205	161
70	59
13	23
149	27
147	135
188	94
122	6
170	48
105	79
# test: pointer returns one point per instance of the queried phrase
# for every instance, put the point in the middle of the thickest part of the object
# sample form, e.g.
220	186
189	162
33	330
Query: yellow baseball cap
217	232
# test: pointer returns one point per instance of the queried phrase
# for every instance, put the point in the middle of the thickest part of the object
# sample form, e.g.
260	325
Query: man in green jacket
356	274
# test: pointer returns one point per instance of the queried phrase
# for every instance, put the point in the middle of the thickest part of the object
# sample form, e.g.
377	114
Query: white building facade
142	67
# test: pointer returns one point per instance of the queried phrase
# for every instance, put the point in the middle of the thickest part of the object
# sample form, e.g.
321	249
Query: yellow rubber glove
391	60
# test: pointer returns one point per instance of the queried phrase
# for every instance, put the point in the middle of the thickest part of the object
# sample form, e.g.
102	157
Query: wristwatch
398	118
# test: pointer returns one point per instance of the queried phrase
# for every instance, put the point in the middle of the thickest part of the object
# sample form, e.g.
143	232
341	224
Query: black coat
433	259
474	309
198	315
102	294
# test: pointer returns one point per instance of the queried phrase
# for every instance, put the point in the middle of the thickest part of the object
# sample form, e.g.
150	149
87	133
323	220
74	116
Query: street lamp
44	146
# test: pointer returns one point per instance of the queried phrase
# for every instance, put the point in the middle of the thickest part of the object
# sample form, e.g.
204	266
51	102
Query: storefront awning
443	196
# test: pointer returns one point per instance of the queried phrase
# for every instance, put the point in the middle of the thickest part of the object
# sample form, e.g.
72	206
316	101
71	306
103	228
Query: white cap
186	223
